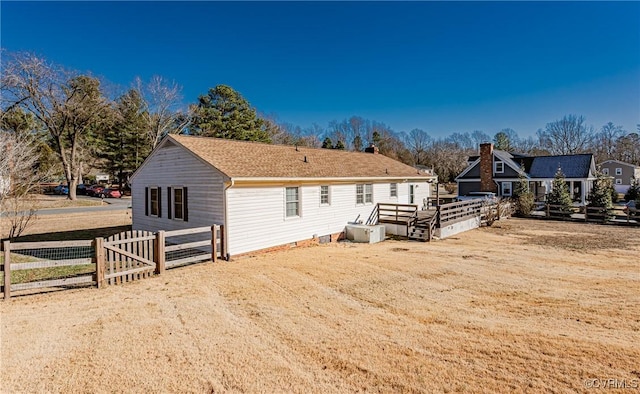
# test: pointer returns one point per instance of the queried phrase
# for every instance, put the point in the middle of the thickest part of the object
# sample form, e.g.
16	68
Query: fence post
7	269
100	263
223	246
547	205
214	241
158	243
586	213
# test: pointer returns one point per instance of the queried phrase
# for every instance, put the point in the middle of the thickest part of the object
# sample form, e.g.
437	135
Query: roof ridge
273	145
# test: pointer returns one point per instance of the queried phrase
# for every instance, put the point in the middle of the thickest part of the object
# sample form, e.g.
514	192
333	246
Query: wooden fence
38	256
615	215
120	258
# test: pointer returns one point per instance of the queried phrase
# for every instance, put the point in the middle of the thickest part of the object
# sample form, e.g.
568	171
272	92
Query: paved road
110	204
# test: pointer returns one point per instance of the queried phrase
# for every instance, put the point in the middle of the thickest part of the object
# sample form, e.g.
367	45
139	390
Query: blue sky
440	66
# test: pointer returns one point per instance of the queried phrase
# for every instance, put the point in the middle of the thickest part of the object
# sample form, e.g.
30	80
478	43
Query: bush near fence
133	255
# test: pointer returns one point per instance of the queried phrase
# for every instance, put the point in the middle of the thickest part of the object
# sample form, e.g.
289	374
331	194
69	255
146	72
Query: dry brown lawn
83	225
523	306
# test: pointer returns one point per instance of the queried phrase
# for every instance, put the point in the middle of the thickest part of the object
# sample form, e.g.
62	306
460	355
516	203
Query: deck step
418	233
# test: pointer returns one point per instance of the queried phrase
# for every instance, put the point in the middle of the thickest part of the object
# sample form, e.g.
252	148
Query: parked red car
95	190
110	193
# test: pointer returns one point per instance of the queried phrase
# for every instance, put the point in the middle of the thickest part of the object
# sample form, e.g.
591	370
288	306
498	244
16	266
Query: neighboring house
266	195
498	171
622	173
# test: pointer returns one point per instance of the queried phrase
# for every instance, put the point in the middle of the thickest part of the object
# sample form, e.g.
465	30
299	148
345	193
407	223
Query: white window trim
328	203
157	189
368	186
510	189
364	194
618	171
495	167
391	191
173	204
605	171
299	215
358	194
618	181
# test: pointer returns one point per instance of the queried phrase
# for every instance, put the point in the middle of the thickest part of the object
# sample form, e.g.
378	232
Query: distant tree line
73	122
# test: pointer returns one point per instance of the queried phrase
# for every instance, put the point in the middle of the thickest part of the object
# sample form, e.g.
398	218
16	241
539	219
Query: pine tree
522	196
339	145
600	195
633	193
560	195
327	143
224	113
123	145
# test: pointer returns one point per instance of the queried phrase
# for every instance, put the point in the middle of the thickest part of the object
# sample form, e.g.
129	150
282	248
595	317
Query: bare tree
19	177
418	141
479	136
66	104
628	148
567	136
447	158
604	142
162	101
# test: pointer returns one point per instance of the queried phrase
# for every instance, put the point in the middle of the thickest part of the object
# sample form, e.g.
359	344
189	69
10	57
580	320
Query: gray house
498	171
622	173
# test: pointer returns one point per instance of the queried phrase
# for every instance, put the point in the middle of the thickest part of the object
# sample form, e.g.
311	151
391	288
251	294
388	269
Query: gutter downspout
226	218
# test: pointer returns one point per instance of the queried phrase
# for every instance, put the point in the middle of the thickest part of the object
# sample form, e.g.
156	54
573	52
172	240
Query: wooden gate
128	256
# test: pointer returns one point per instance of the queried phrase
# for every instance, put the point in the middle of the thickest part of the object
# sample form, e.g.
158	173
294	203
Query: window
364	194
618	171
292	202
506	188
499	167
178	203
393	190
368	193
605	171
359	194
618	181
152	206
324	195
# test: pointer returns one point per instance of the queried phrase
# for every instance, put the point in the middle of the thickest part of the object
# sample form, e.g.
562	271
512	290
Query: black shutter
185	204
168	202
146	201
159	202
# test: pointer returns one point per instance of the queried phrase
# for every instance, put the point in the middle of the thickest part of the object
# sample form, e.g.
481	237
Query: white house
266	195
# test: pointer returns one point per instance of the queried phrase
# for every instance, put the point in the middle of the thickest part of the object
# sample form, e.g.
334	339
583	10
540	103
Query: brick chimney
486	168
372	149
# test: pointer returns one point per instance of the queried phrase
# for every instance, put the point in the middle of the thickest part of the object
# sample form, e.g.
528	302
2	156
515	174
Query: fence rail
120	258
396	213
615	215
459	211
70	259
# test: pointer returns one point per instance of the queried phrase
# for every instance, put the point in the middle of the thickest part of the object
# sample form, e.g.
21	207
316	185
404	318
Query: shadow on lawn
74	234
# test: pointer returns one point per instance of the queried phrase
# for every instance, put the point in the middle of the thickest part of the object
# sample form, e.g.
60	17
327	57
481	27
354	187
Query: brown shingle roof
241	159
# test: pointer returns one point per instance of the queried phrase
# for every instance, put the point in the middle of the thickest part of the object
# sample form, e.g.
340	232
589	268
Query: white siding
256	215
174	166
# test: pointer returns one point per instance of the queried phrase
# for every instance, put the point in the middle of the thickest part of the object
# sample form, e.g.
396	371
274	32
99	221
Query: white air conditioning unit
365	234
